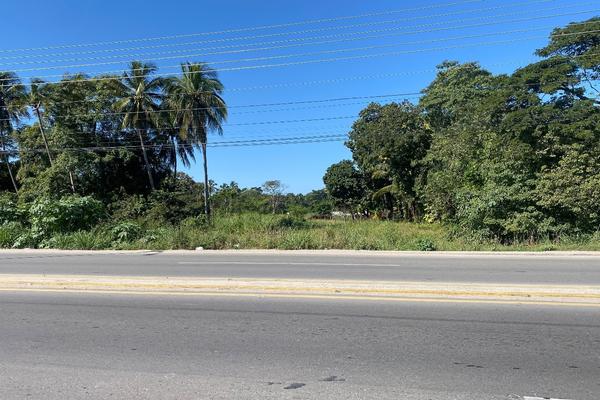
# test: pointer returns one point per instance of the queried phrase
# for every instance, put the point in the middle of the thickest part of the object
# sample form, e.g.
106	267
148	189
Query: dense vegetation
502	157
480	161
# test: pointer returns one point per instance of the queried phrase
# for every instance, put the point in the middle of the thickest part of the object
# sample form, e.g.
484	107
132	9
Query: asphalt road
567	270
100	346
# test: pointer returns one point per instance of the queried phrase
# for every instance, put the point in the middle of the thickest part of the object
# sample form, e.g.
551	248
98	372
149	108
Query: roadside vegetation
480	162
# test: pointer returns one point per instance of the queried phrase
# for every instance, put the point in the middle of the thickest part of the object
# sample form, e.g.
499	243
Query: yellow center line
311	297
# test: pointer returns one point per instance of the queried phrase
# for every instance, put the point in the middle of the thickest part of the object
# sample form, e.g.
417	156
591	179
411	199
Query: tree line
138	125
510	157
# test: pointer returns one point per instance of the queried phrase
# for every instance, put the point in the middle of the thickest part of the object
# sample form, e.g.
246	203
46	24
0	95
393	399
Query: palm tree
176	146
140	96
199	109
13	107
37	97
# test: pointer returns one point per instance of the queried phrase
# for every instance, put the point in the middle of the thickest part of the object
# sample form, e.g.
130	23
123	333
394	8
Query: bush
128	208
9	211
425	244
80	240
69	214
156	209
194	222
126	232
27	239
9	233
289	222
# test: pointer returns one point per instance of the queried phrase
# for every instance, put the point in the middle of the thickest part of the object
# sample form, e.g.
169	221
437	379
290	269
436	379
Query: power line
270	143
286	103
322	52
317	61
301	39
130	140
247	29
396	95
292	84
520	4
258	142
307	83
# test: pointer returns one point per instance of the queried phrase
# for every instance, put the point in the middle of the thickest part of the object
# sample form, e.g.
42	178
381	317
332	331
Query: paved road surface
429	268
154	346
89	346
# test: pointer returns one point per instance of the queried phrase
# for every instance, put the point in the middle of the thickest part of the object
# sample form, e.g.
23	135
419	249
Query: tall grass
256	231
259	231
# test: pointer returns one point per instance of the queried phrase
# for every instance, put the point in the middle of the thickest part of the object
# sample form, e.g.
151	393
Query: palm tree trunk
12	178
174	158
150	179
71	181
206	188
43	132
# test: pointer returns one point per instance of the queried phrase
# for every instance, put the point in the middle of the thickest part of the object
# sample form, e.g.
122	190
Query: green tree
570	192
456	89
140	102
13	108
572	62
199	108
38	95
274	189
179	147
387	144
345	184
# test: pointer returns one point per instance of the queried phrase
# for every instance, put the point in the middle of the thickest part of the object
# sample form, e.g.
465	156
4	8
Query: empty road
538	269
85	345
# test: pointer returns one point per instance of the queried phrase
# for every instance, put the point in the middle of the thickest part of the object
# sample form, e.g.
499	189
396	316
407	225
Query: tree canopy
508	157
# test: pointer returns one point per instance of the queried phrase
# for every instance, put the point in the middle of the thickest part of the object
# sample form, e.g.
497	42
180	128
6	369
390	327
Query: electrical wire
247	29
257	142
317	61
301	39
314	53
336	80
286	103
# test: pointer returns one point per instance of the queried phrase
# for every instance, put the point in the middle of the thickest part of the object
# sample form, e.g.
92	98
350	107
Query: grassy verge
255	231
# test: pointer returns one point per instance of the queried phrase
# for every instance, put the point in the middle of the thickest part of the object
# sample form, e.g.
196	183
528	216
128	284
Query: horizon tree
13	107
274	189
199	109
37	97
140	96
176	146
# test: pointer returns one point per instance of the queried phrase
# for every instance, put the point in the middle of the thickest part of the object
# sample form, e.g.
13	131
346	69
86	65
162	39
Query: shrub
194	222
9	211
289	222
170	207
27	239
80	240
69	214
126	232
128	208
425	244
9	233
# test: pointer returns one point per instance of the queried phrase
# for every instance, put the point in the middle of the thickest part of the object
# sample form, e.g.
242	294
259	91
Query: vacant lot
257	231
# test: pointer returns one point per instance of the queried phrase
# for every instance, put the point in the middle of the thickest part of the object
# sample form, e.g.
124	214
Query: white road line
283	263
540	398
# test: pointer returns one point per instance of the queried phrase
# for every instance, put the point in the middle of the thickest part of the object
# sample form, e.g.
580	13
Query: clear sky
501	34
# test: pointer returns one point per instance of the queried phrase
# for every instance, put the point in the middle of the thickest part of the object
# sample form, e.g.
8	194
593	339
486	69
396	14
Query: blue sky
472	31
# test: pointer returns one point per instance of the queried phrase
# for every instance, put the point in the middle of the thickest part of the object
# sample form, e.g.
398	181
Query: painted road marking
284	263
307	296
540	398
